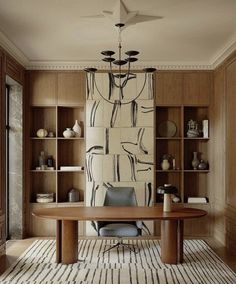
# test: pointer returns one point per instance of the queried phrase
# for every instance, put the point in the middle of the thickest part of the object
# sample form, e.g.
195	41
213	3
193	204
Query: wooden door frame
2	153
8	66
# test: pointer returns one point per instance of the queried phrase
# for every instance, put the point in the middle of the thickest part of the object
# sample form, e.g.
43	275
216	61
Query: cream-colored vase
77	129
165	165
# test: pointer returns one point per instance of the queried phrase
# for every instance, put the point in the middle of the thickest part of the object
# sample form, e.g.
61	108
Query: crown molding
79	65
224	53
13	50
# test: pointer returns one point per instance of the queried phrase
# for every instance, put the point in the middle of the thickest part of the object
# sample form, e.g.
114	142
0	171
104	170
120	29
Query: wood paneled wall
224	149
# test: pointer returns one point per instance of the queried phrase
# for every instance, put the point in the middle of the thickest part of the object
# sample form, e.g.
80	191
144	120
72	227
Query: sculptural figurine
193	129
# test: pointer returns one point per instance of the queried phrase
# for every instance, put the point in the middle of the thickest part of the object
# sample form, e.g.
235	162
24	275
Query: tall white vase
77	129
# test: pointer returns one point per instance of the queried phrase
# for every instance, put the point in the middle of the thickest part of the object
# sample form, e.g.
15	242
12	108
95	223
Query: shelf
168	138
54	138
43	203
169	171
60	171
196	171
43	171
192	204
71	203
54	171
58	203
45	138
196	138
72	138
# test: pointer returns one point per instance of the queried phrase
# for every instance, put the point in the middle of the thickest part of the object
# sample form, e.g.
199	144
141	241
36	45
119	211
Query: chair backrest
120	196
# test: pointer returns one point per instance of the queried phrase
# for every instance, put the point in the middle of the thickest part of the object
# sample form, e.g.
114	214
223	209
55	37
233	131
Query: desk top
111	213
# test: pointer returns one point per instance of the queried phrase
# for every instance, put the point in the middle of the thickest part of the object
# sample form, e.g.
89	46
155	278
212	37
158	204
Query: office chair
120	196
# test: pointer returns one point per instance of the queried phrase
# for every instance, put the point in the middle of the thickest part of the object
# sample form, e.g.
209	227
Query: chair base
121	243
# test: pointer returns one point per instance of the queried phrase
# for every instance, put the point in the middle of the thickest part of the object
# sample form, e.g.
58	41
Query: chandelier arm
139	94
127	76
95	83
112	75
114	81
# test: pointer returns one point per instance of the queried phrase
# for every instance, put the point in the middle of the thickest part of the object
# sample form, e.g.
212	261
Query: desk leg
169	241
172	241
58	242
67	242
180	241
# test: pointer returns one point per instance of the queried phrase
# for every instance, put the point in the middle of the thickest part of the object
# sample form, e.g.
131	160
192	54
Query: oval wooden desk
67	227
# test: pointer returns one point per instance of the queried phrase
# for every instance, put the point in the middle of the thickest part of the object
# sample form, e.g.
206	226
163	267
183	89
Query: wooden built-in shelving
190	182
56	100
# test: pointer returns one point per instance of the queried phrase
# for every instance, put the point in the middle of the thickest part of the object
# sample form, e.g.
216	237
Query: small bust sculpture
193	129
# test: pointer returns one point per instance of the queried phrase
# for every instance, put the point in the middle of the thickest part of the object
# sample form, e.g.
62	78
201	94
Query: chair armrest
139	224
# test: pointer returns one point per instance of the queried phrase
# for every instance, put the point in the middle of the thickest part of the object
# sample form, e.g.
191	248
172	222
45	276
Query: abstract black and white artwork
119	140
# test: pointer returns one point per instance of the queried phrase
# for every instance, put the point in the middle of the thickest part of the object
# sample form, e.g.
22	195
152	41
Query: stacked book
71	168
197	200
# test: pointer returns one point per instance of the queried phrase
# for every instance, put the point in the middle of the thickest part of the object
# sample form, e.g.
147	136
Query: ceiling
55	32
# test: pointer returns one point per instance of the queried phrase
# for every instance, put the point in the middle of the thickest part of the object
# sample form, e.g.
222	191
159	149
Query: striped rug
121	266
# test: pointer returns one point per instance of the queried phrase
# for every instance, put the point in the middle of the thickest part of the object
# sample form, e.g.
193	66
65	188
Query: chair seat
119	230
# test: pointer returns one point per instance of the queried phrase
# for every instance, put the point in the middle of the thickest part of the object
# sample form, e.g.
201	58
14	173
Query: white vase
77	129
68	133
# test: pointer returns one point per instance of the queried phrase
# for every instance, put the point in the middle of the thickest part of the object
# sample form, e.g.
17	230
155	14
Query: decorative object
176	199
119	78
77	129
173	164
42	133
193	129
73	195
167	128
167	190
165	165
51	134
44	167
42	160
68	133
202	165
44	197
50	161
195	161
205	128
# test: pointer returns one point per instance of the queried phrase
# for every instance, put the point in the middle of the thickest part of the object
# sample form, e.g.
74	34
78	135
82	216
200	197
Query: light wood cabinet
169	88
71	88
181	96
197	88
58	99
43	88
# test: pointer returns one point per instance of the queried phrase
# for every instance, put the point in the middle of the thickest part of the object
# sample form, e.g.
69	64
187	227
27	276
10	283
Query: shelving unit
190	182
57	99
65	152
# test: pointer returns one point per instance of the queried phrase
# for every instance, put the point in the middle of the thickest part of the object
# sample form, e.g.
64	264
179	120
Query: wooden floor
17	247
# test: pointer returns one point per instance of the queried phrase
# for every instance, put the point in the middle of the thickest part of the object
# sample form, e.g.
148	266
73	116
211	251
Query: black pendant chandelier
119	70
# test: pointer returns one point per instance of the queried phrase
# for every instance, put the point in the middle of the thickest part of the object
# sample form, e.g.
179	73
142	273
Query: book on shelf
197	200
71	168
